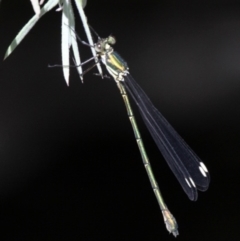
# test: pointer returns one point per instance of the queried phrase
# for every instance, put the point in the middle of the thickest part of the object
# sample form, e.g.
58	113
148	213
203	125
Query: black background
69	165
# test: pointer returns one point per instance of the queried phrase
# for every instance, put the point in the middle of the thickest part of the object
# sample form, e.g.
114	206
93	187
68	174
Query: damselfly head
104	45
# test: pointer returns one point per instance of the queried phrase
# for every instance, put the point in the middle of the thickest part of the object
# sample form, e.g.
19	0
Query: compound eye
111	40
98	47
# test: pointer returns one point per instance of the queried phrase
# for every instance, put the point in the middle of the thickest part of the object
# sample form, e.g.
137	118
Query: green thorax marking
116	62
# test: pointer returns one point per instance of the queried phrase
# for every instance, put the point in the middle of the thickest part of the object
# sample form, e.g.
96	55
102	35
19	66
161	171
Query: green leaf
36	6
74	43
24	31
88	33
66	40
83	3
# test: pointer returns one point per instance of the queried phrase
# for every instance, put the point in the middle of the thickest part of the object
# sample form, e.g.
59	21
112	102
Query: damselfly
191	173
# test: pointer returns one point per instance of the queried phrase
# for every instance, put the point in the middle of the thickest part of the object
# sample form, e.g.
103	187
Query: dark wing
191	173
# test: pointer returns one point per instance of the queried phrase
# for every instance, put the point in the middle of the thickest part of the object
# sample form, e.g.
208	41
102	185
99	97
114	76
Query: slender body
191	173
169	220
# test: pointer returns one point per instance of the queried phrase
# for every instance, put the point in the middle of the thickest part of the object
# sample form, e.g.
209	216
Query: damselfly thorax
116	66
